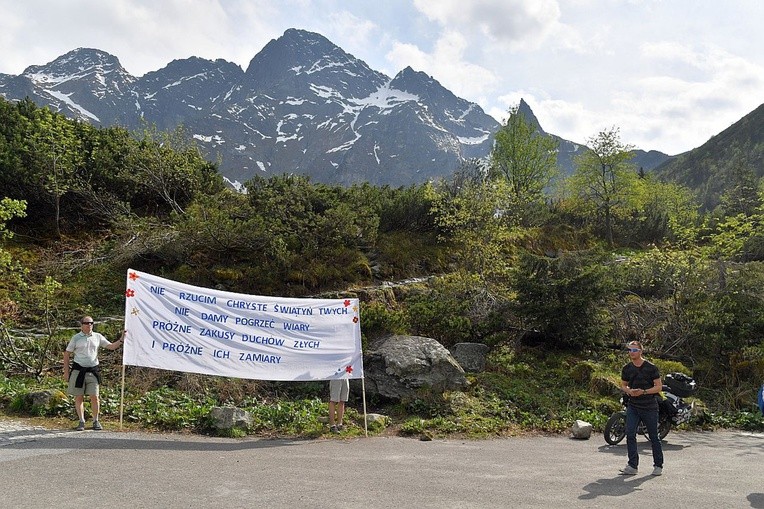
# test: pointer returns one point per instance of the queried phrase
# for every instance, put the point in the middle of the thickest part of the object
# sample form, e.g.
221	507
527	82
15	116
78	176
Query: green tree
606	181
327	225
725	315
104	194
169	166
12	285
13	129
561	300
668	213
527	160
473	222
8	210
404	209
58	154
681	209
741	194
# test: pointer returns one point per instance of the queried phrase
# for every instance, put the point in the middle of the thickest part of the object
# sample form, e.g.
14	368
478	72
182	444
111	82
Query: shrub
562	299
291	417
666	366
582	372
169	409
440	317
378	320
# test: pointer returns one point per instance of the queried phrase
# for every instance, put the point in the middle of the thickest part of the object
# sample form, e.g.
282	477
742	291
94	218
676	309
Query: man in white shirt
85	376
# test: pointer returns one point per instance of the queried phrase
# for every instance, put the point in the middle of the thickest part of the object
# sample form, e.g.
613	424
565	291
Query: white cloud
363	38
350	27
145	35
671	109
670	74
578	122
446	64
520	23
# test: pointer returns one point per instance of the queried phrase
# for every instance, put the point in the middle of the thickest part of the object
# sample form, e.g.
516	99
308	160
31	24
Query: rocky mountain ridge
303	105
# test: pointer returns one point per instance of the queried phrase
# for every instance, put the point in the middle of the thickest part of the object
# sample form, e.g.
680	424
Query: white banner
180	327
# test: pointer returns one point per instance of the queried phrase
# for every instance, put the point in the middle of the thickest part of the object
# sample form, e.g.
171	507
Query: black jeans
650	418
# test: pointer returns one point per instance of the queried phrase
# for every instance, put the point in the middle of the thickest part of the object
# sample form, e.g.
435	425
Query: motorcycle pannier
666	406
680	384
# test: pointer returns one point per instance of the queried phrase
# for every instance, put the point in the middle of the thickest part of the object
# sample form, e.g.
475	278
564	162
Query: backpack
680	384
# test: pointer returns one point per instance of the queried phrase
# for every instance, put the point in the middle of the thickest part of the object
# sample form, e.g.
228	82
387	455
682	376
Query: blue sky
668	73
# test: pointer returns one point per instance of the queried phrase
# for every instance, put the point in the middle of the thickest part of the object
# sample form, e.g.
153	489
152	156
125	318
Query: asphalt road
67	469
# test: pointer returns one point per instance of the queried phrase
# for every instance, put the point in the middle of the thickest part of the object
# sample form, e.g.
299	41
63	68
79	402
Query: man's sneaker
628	470
340	427
81	426
657	470
333	429
97	426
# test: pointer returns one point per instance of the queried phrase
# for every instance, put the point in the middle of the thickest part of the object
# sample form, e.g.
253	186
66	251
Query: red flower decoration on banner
133	276
347	302
130	292
349	369
355	319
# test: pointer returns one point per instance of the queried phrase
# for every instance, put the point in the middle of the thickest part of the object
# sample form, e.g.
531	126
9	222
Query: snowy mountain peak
193	69
300	58
425	86
77	64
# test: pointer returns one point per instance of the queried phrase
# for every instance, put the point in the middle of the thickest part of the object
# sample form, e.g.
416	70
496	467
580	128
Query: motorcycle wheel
615	428
664	426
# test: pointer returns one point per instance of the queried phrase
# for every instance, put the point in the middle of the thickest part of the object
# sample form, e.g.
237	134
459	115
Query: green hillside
727	161
555	285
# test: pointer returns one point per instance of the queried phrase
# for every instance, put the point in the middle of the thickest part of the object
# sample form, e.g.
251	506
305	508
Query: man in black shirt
641	380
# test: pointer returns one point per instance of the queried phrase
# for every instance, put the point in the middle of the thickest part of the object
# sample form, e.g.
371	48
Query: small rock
581	430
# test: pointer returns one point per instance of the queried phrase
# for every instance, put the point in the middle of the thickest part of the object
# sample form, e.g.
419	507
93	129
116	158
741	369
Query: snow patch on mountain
209	139
386	98
185	78
474	140
65	98
321	65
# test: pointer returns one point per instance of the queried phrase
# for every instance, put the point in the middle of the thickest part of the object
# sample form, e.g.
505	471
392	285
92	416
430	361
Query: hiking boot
658	471
81	426
334	429
628	470
340	427
97	426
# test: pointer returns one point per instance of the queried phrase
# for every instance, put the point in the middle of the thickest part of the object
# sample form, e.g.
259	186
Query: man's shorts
339	389
90	387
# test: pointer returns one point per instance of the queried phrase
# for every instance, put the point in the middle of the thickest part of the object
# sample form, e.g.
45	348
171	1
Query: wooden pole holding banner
365	422
122	397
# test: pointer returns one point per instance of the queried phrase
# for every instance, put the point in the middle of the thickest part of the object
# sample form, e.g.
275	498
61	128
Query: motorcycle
672	410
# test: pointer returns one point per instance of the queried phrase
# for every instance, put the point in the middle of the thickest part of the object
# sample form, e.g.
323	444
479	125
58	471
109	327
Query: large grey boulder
470	356
401	366
230	417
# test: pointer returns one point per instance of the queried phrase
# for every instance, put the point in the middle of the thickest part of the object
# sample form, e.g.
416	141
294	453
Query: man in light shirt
85	377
